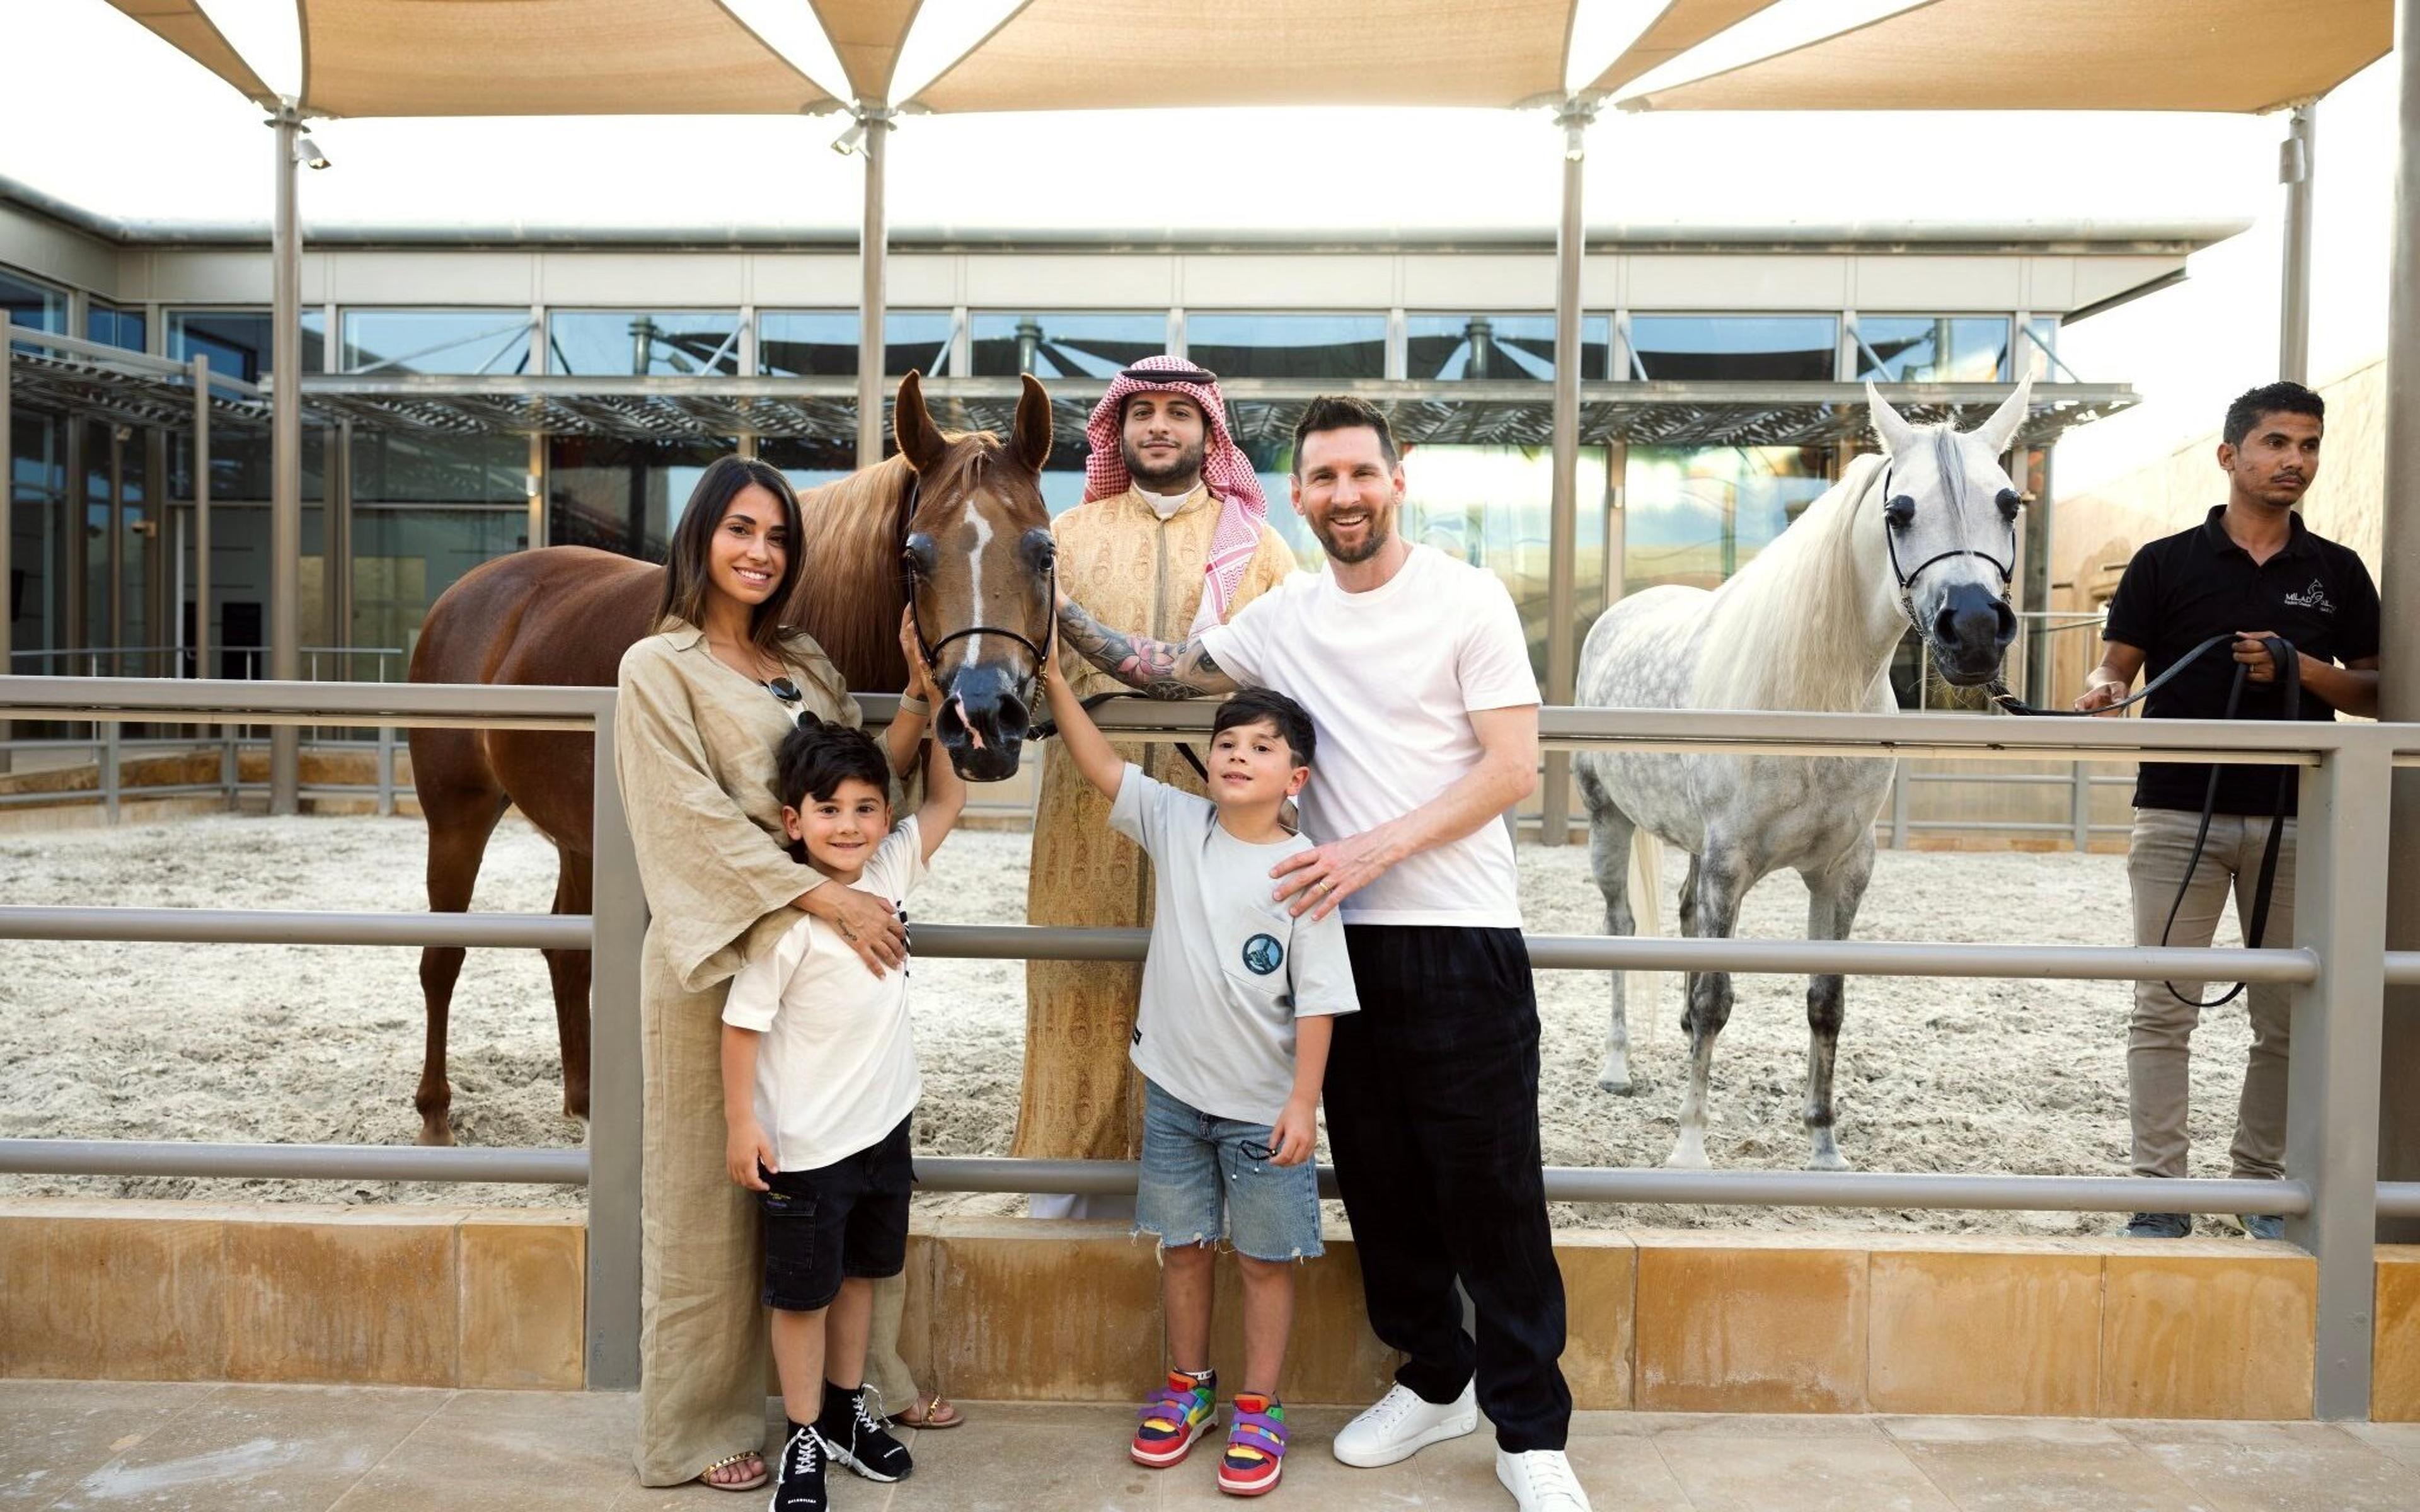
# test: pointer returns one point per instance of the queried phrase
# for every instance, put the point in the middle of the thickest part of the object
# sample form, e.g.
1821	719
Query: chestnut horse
958	520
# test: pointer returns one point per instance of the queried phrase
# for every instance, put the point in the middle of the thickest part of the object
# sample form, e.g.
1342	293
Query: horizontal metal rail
232	926
1736	1189
184	701
1593	953
296	1163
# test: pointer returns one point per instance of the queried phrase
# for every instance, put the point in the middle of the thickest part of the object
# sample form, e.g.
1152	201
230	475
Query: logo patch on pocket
1263	954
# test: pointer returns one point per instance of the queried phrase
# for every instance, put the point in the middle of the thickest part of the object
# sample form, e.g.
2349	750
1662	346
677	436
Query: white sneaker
1541	1480
1400	1425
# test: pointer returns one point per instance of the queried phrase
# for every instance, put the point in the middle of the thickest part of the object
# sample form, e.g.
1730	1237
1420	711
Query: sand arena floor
304	1045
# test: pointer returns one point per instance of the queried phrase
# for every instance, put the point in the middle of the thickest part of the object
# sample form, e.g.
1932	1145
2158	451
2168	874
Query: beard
1185	469
1380	531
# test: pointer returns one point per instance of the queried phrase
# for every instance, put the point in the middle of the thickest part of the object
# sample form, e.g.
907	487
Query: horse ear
911	426
1898	436
2001	429
1033	435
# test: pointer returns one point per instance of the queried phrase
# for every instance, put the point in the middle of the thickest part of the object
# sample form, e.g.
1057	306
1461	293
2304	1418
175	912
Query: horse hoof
1687	1156
1614	1079
435	1132
1827	1160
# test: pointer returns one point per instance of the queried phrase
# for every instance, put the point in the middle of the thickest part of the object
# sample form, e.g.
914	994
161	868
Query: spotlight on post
851	140
307	153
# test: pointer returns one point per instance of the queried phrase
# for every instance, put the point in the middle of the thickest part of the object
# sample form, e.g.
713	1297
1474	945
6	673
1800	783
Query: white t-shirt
1229	970
837	1070
1390	677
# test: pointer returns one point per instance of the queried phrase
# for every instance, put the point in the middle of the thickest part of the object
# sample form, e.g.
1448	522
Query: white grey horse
1924	535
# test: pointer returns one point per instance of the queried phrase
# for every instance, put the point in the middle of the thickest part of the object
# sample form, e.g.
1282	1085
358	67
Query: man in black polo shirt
2250	568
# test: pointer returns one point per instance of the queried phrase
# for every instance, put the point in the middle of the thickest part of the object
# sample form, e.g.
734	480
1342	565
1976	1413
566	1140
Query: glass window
1498	346
1921	348
1289	346
1788	347
414	467
2041	349
823	343
437	341
35	495
404	558
29	304
1064	346
1695	514
622	496
807	461
237	341
112	324
629	342
237	345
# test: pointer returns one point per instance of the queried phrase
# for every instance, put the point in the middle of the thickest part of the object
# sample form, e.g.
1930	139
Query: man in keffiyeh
1173	537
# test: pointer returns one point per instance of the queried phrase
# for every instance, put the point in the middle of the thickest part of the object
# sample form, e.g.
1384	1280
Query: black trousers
1433	1119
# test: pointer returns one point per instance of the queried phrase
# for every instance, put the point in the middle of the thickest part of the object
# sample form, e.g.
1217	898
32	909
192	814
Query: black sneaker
798	1485
856	1438
2159	1225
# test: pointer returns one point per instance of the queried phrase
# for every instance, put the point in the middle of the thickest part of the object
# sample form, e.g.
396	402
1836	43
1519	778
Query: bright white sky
120	123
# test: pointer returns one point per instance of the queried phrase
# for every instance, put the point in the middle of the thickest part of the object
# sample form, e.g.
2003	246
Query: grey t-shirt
1228	970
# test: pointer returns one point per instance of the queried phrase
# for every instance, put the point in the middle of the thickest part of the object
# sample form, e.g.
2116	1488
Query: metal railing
2336	967
611	931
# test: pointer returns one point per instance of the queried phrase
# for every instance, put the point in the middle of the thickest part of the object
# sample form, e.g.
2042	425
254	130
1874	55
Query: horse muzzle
1971	629
982	720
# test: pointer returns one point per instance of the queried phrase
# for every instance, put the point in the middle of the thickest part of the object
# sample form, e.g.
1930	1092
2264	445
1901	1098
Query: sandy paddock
304	1045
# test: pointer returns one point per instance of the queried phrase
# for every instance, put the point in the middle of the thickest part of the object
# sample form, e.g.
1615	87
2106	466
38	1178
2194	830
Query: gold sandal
924	1420
706	1476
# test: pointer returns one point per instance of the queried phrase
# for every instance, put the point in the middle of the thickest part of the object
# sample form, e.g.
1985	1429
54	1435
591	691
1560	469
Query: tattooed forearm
1158	668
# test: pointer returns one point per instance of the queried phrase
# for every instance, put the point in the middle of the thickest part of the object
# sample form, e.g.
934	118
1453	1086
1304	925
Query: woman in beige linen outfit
695	727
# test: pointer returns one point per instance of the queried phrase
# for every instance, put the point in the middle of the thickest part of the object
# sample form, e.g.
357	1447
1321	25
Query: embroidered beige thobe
1133	571
694	742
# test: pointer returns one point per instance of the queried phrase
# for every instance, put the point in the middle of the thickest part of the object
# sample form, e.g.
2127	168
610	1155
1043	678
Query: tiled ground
79	1445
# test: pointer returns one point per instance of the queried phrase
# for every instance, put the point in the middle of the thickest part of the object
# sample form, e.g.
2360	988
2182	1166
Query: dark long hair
686	580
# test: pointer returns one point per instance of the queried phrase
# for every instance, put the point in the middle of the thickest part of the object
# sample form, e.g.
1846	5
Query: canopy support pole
285	476
2398	678
2294	168
873	240
1562	529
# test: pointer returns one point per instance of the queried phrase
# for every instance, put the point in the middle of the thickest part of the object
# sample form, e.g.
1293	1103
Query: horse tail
1640	989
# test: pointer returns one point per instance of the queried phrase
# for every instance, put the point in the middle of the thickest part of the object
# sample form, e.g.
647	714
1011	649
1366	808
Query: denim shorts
848	1219
1206	1178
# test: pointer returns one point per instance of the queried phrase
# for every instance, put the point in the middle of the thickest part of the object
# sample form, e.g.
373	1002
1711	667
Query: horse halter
1953	483
931	649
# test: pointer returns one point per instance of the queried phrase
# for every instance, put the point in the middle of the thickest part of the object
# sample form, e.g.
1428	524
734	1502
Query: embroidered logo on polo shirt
2315	596
1263	954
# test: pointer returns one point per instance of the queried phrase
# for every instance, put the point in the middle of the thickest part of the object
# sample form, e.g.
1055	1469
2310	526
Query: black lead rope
2289	676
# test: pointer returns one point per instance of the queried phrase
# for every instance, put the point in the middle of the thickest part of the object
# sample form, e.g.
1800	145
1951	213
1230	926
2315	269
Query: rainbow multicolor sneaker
1256	1443
1176	1415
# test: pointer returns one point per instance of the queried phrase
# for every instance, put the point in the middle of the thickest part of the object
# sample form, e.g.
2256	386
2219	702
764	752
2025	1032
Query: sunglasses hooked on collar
1169	374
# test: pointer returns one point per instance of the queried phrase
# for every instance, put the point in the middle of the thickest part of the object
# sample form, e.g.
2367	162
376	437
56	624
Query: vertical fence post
2079	813
618	914
108	754
230	768
2332	1077
1898	805
386	771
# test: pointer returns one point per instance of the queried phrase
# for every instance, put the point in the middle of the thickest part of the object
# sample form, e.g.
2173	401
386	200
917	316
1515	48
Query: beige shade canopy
510	58
2062	55
610	57
1112	54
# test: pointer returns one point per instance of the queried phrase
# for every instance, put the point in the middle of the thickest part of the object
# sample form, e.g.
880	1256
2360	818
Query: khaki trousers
2158	1059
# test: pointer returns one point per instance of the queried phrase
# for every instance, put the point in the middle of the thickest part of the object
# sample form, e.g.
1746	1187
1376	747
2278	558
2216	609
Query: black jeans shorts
848	1219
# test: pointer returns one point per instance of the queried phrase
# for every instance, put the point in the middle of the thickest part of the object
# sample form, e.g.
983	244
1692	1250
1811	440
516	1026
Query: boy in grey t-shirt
1230	1037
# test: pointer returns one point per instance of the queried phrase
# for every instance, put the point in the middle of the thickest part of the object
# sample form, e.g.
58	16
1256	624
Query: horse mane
849	593
1785	631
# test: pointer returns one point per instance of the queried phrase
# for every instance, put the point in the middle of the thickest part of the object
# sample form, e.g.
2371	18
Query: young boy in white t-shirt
819	1084
1230	1036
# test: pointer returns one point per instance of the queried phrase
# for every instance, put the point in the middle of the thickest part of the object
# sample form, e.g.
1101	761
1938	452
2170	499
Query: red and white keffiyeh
1225	469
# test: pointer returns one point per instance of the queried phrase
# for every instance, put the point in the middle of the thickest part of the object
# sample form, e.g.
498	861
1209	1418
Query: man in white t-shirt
1416	673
